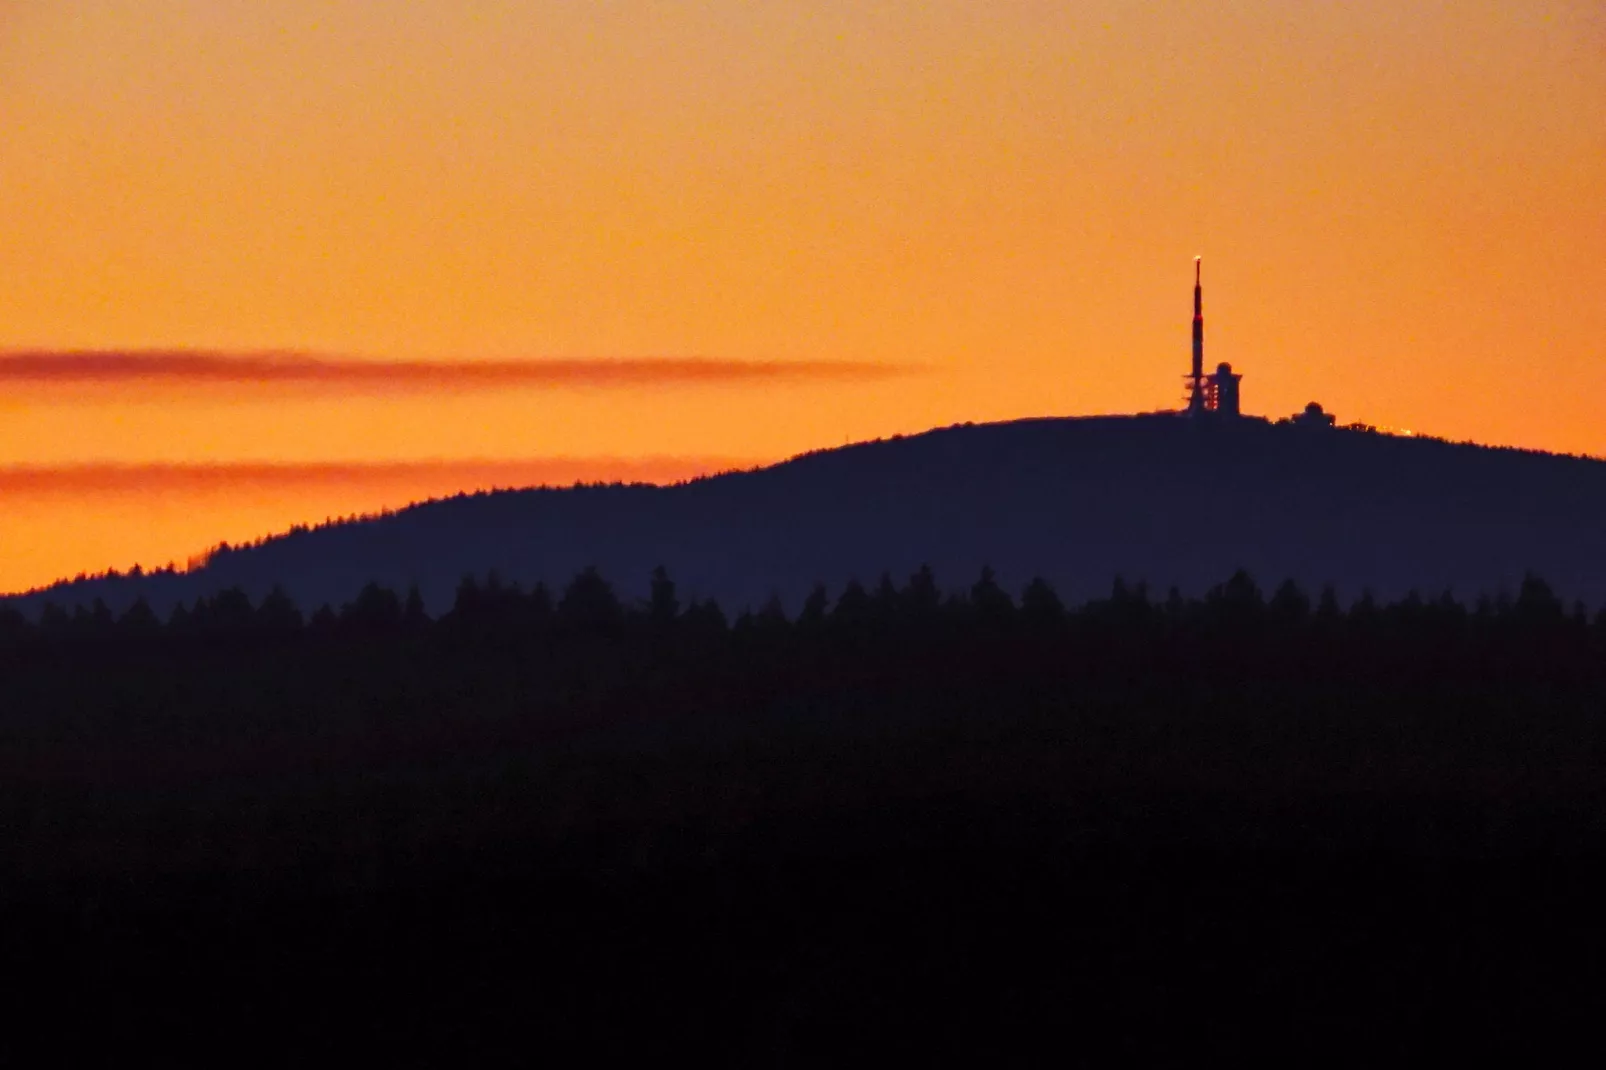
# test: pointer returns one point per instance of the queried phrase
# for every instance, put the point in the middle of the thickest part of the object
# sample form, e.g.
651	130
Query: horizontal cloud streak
434	477
201	368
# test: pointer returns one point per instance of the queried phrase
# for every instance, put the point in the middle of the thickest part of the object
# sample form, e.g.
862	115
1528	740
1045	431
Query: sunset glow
358	249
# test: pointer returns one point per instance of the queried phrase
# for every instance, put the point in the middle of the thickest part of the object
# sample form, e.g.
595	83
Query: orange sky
1401	206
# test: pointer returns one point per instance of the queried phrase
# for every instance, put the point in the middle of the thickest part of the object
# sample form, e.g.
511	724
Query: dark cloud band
205	368
435	477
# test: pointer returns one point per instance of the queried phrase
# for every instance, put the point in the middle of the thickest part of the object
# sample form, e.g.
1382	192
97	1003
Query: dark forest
906	820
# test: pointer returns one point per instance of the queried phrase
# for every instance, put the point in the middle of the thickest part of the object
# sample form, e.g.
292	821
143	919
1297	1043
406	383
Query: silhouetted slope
1078	501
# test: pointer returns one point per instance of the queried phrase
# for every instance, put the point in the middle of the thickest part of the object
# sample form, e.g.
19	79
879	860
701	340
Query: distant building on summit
1224	390
1217	394
1314	416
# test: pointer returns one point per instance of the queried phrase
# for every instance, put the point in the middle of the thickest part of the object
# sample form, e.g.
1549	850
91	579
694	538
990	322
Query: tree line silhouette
897	818
588	608
1434	693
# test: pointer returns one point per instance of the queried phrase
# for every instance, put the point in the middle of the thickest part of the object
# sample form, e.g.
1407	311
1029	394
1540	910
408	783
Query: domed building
1314	416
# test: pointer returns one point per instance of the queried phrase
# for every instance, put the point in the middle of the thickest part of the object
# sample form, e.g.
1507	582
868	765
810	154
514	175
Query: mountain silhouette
1079	502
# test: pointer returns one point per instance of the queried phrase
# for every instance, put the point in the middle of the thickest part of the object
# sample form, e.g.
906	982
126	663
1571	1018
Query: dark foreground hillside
1079	502
893	827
